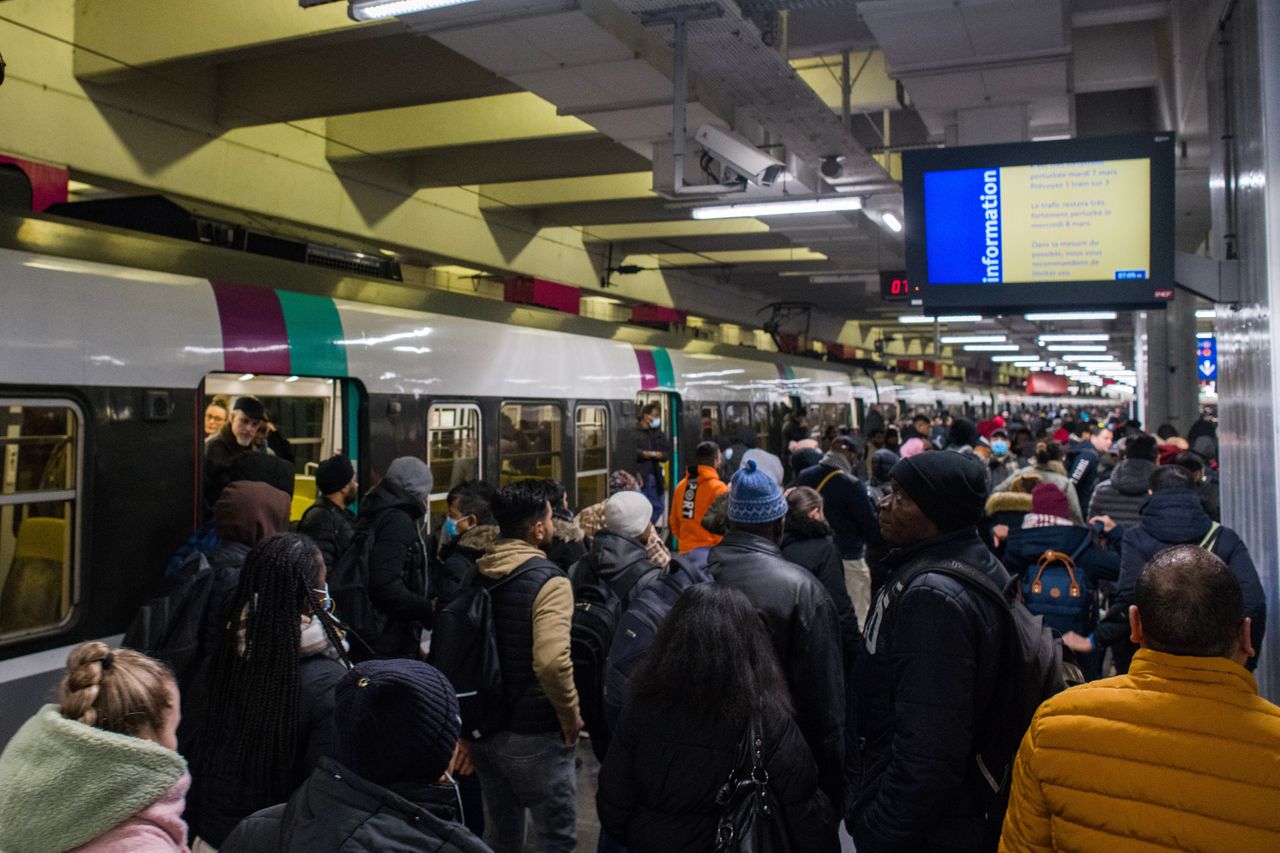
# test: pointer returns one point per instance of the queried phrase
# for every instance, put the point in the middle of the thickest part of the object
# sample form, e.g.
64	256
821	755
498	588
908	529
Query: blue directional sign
1207	359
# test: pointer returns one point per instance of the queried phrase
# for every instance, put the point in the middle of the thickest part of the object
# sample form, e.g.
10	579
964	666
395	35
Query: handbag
751	819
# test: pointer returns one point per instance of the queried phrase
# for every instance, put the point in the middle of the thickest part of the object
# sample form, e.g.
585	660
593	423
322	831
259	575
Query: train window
591	444
453	448
305	415
40	475
529	442
736	418
710	422
761	414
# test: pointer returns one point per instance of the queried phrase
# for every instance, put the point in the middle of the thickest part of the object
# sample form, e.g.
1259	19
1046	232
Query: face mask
999	448
656	423
450	528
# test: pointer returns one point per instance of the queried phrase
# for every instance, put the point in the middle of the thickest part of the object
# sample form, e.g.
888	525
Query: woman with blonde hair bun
98	771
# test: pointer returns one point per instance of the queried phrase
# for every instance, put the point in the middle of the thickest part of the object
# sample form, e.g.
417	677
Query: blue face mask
656	423
999	448
451	528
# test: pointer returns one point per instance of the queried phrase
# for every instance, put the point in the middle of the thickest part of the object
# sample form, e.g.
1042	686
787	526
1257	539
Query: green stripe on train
666	375
314	331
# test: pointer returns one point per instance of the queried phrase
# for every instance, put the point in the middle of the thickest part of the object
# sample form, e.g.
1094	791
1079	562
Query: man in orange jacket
694	495
1179	753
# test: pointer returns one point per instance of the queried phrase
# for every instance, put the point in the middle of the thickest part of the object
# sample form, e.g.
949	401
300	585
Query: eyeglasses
326	600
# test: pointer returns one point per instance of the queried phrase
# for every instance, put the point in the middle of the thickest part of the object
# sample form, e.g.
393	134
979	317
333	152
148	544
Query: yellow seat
42	538
32	595
304	495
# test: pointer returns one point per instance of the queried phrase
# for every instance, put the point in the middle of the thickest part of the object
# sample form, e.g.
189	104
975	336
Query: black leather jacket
925	669
802	622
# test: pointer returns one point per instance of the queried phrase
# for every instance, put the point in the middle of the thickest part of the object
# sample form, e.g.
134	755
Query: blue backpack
1060	592
636	629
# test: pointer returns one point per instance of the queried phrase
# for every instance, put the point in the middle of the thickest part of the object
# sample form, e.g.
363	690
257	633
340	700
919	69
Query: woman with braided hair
98	771
269	714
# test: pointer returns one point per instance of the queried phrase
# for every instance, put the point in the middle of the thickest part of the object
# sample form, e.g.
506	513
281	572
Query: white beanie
765	461
628	513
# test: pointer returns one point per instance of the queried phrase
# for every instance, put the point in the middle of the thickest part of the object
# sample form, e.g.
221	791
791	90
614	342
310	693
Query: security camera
740	155
832	166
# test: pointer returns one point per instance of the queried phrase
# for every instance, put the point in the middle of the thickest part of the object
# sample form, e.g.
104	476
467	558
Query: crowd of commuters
770	651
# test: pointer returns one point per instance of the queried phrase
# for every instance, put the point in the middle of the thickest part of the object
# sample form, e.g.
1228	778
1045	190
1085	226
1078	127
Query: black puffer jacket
1123	495
458	562
807	543
658	784
805	630
397	570
925	671
337	810
329	526
1176	517
620	562
847	504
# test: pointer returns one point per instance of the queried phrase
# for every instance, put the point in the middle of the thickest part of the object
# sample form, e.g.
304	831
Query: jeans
653	490
534	772
857	582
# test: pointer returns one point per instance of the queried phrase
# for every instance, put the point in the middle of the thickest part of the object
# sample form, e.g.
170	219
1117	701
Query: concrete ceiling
550	111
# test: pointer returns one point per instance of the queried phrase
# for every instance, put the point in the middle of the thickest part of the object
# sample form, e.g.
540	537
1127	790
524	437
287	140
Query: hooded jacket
807	543
1082	463
620	562
337	810
1122	496
398	560
658	784
458	561
805	630
1176	517
846	504
65	785
532	618
686	515
567	547
922	688
1052	472
1181	755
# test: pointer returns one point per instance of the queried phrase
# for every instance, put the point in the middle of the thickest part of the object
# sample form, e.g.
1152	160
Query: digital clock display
894	287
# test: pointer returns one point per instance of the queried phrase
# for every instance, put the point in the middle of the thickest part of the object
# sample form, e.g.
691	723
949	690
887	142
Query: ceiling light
1021	358
1069	315
1204	336
1101	336
835	279
778	208
1076	347
373	10
957	318
1110	359
991	348
975	339
245	377
891	222
1206	314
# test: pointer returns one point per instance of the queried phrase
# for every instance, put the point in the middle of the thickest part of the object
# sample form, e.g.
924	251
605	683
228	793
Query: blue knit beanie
755	497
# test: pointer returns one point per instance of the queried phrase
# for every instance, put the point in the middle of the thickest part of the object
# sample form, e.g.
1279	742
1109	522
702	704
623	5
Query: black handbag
751	819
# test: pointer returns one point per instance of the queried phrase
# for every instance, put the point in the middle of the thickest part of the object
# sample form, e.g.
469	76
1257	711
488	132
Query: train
114	342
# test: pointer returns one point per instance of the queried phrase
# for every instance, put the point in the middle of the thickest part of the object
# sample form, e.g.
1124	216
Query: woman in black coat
806	541
711	670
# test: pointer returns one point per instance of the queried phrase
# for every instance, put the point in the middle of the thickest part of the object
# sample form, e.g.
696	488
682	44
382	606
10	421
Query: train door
309	419
669	407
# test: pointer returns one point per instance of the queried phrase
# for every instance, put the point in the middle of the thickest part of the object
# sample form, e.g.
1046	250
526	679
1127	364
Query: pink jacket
158	828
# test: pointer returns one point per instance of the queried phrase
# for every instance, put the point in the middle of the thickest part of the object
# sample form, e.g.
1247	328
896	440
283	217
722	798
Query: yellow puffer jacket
1180	754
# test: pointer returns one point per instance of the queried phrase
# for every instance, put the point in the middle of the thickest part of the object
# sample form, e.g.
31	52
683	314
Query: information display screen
1078	222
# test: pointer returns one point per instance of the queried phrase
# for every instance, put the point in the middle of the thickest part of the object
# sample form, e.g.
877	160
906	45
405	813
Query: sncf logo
1163	294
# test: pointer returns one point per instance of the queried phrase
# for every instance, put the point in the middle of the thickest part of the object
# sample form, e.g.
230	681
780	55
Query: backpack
349	588
464	647
1033	669
637	627
168	626
1059	592
595	620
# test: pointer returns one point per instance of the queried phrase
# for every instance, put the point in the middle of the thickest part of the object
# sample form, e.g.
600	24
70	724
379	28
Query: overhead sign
1207	359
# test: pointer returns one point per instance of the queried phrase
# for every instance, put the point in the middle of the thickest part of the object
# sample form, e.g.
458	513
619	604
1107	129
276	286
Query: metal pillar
1168	387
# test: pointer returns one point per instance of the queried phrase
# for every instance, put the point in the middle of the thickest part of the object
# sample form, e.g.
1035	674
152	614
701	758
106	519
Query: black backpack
168	626
349	587
637	627
464	646
1034	668
595	619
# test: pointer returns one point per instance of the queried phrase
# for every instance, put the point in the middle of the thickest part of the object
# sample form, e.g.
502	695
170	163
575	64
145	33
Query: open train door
669	405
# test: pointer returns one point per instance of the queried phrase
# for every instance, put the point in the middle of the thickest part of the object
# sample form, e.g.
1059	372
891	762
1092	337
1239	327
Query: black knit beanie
950	488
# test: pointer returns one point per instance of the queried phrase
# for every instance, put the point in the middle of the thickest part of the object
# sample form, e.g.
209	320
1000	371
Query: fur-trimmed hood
480	537
567	530
1008	502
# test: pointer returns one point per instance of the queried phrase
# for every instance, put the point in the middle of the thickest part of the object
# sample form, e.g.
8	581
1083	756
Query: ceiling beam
528	194
541	159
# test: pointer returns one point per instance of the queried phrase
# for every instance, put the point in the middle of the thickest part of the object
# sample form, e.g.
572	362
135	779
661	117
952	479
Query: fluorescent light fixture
908	319
1049	316
292	379
373	10
835	279
991	348
1108	359
828	204
1204	336
975	339
1080	338
245	377
1009	358
891	222
1076	348
1206	314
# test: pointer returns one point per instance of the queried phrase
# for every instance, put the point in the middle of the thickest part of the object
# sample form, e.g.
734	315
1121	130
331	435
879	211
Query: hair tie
108	661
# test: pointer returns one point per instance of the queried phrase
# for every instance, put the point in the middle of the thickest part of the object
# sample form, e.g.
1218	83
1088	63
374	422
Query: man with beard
235	438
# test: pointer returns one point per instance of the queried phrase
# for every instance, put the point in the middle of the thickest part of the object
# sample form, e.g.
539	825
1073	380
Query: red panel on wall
546	294
1046	383
48	183
645	313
